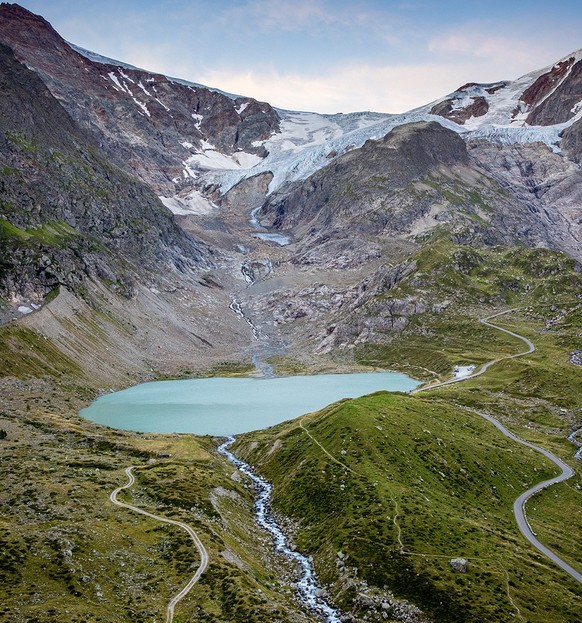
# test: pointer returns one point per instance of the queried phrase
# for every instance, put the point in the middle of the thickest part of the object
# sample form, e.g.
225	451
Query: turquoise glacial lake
229	406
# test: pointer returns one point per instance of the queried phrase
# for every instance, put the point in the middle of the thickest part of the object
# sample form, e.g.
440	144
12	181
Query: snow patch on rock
460	372
192	203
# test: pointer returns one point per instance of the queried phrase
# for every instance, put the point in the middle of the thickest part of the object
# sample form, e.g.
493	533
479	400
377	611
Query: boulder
459	564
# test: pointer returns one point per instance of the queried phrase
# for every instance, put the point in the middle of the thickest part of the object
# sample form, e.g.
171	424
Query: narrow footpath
197	542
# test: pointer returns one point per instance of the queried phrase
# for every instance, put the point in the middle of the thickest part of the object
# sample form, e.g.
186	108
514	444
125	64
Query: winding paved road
485	366
567	471
519	504
197	542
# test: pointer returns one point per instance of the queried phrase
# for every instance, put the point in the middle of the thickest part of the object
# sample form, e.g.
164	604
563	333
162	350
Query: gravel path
197	542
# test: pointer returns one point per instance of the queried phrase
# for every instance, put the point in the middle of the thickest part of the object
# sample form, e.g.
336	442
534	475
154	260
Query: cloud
481	46
507	55
346	88
314	16
279	15
297	15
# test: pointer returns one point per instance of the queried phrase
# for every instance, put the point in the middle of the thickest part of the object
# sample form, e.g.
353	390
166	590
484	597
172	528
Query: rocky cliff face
360	190
476	107
555	95
146	123
67	214
422	177
572	142
543	187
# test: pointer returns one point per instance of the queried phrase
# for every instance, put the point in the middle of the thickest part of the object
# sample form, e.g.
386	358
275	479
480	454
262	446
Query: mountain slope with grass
411	491
68	553
386	490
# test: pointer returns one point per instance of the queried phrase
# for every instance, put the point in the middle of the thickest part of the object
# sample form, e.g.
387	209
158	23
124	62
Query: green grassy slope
68	554
459	284
398	485
415	482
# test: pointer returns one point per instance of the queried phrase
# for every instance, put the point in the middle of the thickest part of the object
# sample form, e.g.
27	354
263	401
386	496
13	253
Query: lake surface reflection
229	406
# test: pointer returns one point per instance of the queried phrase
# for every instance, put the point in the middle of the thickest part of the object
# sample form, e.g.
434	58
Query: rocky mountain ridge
90	259
147	124
186	140
422	177
298	204
538	107
67	213
549	96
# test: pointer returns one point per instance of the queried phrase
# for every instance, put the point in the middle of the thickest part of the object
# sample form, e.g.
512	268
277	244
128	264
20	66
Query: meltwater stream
307	587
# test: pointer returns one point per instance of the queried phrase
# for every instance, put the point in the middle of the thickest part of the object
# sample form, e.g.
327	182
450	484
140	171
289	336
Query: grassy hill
459	284
385	490
413	483
69	554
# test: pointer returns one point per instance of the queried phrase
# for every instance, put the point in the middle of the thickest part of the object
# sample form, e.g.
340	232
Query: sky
326	56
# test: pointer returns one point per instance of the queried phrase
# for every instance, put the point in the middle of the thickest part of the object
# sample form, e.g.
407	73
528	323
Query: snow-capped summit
192	144
545	97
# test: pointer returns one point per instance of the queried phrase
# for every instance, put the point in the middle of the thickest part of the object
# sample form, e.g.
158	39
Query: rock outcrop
571	142
477	107
421	177
542	98
361	189
556	94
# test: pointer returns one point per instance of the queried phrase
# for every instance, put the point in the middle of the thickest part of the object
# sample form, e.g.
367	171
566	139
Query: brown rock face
558	107
477	108
66	213
143	121
546	82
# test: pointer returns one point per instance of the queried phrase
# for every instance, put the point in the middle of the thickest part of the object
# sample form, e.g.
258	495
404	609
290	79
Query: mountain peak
129	110
26	22
544	97
17	11
34	41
